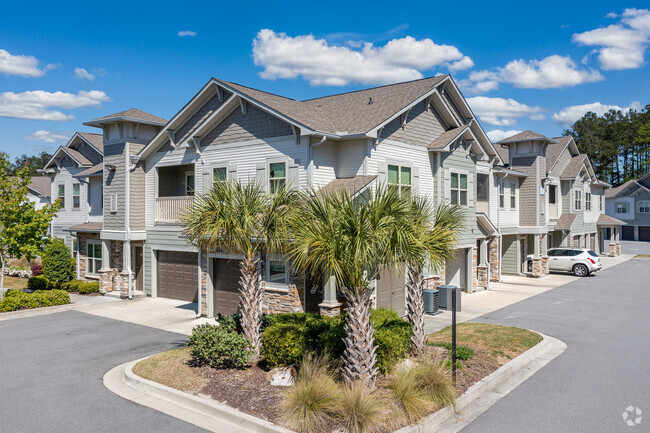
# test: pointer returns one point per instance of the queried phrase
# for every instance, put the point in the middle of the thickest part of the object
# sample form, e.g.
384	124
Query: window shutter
381	172
293	175
232	173
207	178
470	189
447	184
113	202
416	179
261	175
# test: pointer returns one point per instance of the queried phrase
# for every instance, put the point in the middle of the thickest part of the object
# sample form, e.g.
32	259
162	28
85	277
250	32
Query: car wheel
580	270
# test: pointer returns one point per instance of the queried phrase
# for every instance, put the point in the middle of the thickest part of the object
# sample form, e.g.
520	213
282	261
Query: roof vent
370	101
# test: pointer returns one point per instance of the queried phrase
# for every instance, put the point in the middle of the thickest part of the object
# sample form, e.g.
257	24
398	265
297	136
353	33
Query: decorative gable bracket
404	117
196	142
171	134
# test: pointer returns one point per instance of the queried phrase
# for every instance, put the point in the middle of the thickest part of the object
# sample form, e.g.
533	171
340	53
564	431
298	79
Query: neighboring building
39	191
556	198
630	202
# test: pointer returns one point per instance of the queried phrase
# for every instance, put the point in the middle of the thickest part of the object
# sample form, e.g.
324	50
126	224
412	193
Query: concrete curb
489	390
216	417
200	411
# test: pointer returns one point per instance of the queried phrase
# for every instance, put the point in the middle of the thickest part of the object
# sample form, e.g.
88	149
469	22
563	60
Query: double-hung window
513	196
93	258
587	201
400	177
644	206
220	174
600	202
459	189
76	195
577	202
61	195
621	207
502	195
277	176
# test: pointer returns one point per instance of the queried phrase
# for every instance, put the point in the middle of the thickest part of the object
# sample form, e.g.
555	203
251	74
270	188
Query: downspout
198	308
78	259
127	216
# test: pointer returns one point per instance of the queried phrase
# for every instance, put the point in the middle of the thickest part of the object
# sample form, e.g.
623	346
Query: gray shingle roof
606	220
78	156
351	185
447	137
573	168
96	140
565	221
41	185
95	169
133	114
87	227
611	192
525	136
503	152
554	150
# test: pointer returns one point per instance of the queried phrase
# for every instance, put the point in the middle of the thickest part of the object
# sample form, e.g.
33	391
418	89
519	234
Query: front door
139	273
391	291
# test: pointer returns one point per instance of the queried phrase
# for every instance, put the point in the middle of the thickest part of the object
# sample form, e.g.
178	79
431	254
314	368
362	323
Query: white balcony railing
170	209
552	211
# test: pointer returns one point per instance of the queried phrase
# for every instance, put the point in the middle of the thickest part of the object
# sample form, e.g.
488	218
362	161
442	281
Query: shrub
392	338
86	288
219	347
310	404
57	263
411	397
13	292
20	300
37	269
363	410
463	352
436	381
38	283
284	344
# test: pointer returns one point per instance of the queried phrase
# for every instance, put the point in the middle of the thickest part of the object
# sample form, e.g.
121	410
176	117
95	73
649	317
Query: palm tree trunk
359	357
415	308
252	292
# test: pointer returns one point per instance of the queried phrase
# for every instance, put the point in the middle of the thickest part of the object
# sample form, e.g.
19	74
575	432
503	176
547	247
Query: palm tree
241	219
353	239
430	241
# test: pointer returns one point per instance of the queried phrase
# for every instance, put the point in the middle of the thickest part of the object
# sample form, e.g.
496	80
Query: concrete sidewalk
510	290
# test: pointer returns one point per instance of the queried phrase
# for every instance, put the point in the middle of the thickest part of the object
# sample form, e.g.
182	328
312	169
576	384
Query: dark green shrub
463	352
20	300
14	292
393	339
86	288
284	344
57	262
383	315
38	283
232	323
219	347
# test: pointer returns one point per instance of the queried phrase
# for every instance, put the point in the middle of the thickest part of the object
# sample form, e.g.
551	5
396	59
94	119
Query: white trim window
400	177
459	189
93	257
277	176
600	202
587	201
644	206
277	272
621	207
61	194
76	195
577	201
502	195
220	174
513	196
189	183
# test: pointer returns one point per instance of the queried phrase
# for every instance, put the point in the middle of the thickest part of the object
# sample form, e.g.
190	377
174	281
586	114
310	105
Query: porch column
482	276
545	265
106	254
537	260
330	305
106	274
471	270
484	252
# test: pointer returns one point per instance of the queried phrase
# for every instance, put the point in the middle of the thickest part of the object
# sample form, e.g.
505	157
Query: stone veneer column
495	258
544	244
537	267
330	305
482	276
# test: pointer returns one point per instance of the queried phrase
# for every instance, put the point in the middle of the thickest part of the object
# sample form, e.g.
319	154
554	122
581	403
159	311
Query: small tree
22	226
58	264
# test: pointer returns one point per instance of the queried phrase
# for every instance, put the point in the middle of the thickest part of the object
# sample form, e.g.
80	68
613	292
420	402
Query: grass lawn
172	368
15	282
642	256
500	343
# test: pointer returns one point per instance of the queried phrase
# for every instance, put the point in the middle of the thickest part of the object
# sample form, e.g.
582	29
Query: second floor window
513	197
621	207
577	202
459	189
551	194
61	195
600	203
277	176
502	196
220	174
644	206
76	195
588	201
400	177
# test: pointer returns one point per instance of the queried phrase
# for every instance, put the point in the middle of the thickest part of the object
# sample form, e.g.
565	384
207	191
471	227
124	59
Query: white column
536	246
484	252
545	245
106	264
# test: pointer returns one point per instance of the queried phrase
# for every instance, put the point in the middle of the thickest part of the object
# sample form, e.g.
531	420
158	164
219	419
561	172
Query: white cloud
25	66
320	63
183	33
82	74
551	72
568	115
501	111
499	134
48	136
622	45
39	104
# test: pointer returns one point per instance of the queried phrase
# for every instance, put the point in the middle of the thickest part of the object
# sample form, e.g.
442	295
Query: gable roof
503	152
606	220
95	170
351	185
611	192
565	221
526	135
554	150
132	114
95	140
447	137
41	185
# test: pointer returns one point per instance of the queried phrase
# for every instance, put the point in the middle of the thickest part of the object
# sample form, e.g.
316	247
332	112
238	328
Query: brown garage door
226	286
177	275
644	233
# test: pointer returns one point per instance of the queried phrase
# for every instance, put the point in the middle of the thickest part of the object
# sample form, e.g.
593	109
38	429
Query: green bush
19	300
463	352
284	344
393	339
87	288
13	292
219	347
58	264
38	283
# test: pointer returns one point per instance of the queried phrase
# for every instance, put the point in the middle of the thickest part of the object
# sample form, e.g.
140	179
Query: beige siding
114	183
561	164
530	207
137	198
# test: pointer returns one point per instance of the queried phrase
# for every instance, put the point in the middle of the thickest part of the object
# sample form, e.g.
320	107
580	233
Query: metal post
453	334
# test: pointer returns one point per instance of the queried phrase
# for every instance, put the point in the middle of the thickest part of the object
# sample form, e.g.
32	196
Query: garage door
391	291
592	241
455	272
644	233
627	233
225	275
177	275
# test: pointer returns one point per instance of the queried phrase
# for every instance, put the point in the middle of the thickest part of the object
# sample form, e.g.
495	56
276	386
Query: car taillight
591	260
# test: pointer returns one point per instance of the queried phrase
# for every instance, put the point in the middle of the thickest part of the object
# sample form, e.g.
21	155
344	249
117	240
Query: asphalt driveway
605	321
51	370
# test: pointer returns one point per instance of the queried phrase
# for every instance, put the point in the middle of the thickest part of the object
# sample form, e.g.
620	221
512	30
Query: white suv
580	261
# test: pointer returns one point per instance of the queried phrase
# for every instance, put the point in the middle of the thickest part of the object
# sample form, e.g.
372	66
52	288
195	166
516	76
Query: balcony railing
170	209
552	211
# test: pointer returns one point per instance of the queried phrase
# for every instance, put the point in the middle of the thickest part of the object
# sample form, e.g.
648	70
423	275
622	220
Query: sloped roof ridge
257	90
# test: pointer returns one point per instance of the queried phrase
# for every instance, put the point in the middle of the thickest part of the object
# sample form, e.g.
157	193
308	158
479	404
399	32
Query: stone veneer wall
83	239
111	279
494	258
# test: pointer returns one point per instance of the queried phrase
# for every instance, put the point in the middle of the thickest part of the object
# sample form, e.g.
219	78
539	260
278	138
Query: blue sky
537	67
